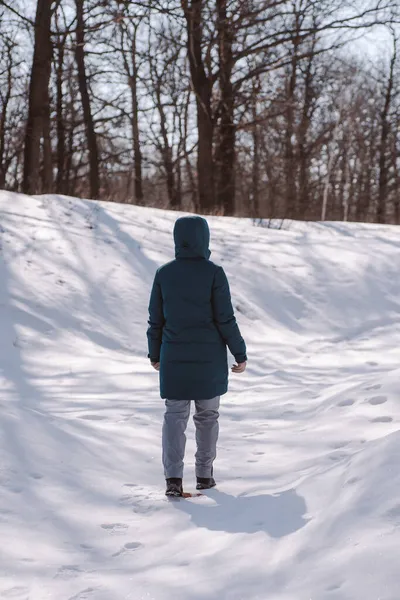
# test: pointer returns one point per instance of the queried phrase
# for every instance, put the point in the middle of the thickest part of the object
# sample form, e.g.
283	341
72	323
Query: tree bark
385	130
129	58
132	74
60	179
290	162
38	112
303	133
395	167
166	153
47	175
5	96
255	179
202	87
188	164
94	175
137	154
344	180
225	154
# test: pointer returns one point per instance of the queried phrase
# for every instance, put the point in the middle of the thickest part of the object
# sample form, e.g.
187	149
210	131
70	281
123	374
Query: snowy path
308	501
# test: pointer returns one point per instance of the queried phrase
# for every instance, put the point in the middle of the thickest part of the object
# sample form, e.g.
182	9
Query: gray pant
174	439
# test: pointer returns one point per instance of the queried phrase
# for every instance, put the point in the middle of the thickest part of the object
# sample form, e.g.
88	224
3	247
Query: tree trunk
385	130
202	87
225	155
396	174
69	161
255	179
290	162
188	165
137	154
326	186
368	160
47	185
6	97
305	123
38	111
131	70
166	150
344	180
91	137
60	179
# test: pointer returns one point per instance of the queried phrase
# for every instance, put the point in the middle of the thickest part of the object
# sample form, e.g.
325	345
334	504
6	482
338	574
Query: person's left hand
156	366
239	368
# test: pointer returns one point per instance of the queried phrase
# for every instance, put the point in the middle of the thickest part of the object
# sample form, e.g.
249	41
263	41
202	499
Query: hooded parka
191	319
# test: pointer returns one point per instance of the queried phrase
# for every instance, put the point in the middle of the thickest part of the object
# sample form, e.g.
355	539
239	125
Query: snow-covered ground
308	501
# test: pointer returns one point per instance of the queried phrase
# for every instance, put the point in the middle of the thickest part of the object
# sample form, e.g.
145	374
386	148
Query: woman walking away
191	323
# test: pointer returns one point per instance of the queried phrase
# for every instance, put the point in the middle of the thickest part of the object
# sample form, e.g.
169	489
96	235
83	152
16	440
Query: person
191	323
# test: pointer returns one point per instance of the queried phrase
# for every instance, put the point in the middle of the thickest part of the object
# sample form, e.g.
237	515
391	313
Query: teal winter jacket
191	319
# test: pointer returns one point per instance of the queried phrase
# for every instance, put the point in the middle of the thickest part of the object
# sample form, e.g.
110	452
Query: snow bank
308	501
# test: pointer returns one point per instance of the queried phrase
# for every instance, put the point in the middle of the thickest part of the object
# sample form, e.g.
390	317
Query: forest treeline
261	108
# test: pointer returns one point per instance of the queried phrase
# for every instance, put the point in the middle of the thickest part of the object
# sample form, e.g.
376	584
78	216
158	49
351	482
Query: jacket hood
192	238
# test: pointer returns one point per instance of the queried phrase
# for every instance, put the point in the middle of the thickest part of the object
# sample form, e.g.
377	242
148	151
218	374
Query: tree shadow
278	515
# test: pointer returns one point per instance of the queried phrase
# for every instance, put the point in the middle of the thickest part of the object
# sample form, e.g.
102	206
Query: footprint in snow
236	418
353	480
394	513
93	417
15	592
68	572
334	587
145	506
83	595
129	547
115	528
126	418
142	500
382	420
376	386
338	456
376	400
338	445
36	476
346	402
125	498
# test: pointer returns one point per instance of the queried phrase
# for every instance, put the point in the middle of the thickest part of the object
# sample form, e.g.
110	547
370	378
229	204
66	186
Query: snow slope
308	501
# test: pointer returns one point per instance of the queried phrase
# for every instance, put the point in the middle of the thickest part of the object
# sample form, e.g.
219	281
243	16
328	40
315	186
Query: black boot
174	487
205	483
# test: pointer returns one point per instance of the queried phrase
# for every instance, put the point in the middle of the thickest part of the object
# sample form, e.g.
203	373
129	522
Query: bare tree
38	124
385	132
221	107
128	30
94	172
10	106
202	85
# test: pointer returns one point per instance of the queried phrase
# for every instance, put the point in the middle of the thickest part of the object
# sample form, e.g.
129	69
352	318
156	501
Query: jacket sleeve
156	321
224	317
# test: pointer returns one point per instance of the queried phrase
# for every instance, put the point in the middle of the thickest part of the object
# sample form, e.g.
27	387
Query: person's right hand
156	365
239	368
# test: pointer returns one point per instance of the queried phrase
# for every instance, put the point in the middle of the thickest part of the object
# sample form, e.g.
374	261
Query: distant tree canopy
249	107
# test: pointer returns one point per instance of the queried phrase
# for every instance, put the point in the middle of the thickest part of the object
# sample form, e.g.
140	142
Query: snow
308	501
